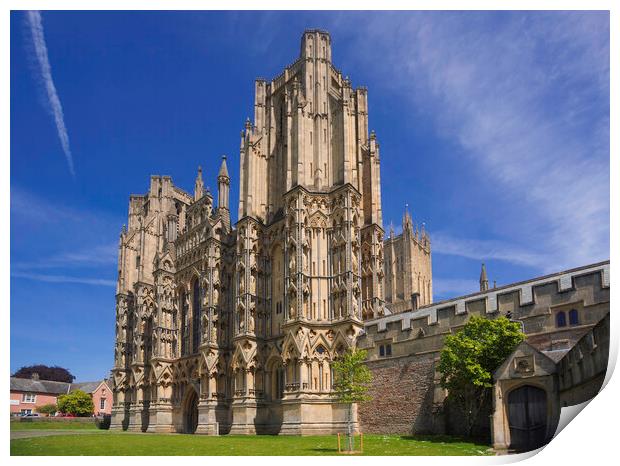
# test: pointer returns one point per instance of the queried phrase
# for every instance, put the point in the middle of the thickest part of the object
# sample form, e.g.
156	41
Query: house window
388	350
29	398
560	319
26	411
102	403
382	351
573	317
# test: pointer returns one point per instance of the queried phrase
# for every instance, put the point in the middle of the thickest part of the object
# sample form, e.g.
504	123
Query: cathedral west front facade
224	328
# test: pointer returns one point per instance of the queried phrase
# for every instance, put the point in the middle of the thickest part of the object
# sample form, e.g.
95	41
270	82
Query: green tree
469	358
48	409
352	381
78	403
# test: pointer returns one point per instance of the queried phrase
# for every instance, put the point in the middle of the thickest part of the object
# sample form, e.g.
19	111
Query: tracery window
195	316
184	324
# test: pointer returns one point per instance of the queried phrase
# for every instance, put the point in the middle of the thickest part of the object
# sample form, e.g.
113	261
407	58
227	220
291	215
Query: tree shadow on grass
325	450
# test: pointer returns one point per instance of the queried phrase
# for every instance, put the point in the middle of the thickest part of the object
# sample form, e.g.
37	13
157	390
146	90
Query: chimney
35	376
415	298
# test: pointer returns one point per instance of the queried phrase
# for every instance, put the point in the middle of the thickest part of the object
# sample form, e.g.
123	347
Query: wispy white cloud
75	237
63	279
35	209
451	287
481	250
38	38
526	97
102	255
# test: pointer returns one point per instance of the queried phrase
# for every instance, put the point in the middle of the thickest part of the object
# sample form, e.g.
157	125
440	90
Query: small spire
484	281
223	168
199	185
407	222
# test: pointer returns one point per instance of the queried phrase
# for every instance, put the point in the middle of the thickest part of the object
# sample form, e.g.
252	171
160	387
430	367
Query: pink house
100	392
29	394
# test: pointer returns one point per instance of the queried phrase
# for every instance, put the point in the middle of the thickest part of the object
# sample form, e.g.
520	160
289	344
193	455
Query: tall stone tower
223	329
408	268
309	235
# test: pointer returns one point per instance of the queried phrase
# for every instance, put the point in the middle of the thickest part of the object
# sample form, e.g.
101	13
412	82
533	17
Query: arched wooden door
527	418
190	416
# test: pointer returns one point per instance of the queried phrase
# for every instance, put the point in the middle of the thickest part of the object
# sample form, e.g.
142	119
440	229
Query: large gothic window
195	316
184	324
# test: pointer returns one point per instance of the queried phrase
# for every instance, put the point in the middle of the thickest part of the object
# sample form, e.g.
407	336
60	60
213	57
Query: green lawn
54	425
108	443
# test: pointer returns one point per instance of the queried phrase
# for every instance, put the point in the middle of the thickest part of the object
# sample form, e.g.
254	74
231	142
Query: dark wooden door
191	413
527	417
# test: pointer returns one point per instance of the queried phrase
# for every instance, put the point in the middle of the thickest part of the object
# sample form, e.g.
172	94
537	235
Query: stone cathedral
225	328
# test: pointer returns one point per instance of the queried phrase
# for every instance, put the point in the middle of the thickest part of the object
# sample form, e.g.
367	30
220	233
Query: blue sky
494	129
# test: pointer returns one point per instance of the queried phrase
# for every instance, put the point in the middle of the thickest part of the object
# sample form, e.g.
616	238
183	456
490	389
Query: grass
126	444
65	424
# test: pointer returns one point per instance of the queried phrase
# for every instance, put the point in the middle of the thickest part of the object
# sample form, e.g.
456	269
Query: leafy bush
77	403
48	409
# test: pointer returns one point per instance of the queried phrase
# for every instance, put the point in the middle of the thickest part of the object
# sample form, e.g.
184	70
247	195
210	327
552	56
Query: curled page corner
568	413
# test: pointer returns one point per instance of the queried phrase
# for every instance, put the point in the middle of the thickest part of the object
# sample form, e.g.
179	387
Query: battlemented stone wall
582	371
407	396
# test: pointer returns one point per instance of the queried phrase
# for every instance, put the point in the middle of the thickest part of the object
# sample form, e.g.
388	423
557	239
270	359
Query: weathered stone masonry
224	328
408	398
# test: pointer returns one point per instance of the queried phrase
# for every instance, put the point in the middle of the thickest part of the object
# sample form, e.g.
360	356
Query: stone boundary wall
402	395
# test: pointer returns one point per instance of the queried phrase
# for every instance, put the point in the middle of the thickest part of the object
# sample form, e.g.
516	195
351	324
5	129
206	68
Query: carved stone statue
251	323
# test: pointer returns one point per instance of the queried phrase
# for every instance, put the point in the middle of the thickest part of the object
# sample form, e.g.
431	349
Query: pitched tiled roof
39	386
555	355
87	387
56	388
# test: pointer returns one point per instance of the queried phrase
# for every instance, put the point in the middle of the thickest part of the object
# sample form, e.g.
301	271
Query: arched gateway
190	412
527	417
